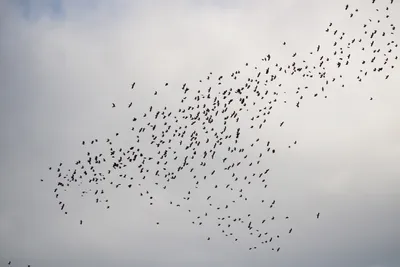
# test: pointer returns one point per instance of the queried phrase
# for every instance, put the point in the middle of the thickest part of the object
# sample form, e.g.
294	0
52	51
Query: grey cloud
59	76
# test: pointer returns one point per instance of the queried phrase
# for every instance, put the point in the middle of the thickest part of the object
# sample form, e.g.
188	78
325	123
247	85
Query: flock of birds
201	147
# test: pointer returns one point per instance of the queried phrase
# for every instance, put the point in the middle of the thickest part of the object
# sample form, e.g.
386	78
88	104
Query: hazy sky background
62	64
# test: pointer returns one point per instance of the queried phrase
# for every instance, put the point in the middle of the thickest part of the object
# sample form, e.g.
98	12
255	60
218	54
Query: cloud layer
62	64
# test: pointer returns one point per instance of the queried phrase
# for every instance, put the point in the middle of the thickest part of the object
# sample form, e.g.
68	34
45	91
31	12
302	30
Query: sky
62	64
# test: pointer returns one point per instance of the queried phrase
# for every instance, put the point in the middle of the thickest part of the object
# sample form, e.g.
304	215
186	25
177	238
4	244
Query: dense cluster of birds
201	143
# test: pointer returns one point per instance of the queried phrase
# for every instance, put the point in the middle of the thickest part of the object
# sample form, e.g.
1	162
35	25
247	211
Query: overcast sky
62	64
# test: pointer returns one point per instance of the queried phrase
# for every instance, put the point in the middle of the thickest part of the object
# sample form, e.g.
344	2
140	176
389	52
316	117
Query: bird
113	105
133	85
318	215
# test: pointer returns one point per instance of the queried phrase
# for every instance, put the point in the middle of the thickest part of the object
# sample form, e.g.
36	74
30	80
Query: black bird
133	85
113	105
81	222
318	215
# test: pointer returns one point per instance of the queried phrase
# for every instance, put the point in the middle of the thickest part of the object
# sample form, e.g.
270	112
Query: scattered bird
202	140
